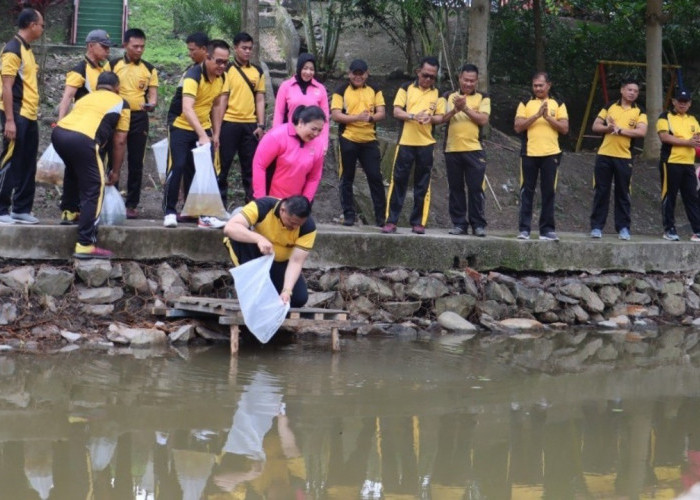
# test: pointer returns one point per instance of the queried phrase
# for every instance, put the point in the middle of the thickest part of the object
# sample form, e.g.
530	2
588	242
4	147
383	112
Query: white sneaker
6	219
24	218
210	222
170	220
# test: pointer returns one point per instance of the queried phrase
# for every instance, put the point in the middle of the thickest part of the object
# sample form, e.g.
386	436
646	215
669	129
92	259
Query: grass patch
155	18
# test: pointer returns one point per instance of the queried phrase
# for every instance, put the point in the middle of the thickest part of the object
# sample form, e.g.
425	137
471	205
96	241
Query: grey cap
99	36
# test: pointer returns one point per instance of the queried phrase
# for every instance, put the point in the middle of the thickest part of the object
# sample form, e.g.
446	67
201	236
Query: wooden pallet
229	313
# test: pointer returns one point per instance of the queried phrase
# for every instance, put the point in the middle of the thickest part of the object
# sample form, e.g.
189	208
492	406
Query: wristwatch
411	116
261	125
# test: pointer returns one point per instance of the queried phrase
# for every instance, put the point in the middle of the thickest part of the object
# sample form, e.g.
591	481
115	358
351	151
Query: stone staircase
273	53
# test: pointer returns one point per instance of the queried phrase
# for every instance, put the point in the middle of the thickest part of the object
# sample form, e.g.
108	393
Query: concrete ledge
368	248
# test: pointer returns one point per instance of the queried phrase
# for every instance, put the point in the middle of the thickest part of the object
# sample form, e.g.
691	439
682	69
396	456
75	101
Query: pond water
441	418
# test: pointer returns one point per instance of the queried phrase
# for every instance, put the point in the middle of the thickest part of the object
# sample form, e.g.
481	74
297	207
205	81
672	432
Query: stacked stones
86	301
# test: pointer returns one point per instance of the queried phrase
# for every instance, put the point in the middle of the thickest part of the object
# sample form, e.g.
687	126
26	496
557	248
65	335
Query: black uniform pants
181	142
466	168
608	169
18	166
135	154
530	167
370	160
406	157
237	138
240	253
677	177
83	164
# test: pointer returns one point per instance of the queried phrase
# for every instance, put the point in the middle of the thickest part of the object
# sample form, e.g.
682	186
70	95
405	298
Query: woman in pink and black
289	158
300	89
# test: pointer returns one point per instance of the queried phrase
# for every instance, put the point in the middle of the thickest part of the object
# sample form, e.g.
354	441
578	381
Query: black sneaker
457	230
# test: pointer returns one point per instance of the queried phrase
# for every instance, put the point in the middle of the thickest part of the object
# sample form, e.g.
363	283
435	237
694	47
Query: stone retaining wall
94	300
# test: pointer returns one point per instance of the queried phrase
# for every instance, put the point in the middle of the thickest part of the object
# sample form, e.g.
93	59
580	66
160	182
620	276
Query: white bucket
160	151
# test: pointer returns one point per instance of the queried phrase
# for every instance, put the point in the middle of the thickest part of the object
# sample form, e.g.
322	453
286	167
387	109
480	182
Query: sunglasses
428	77
220	62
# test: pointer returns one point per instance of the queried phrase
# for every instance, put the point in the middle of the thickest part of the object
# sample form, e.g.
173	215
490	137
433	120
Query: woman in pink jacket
289	158
304	89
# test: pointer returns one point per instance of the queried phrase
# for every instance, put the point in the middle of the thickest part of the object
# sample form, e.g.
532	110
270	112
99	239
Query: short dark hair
199	39
430	61
469	68
242	37
306	114
217	44
133	33
107	78
628	80
298	205
541	74
27	17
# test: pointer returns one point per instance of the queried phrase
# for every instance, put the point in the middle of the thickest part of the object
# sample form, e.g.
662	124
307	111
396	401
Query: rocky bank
102	303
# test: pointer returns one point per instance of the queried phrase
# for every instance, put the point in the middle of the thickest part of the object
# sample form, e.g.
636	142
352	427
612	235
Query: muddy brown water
386	418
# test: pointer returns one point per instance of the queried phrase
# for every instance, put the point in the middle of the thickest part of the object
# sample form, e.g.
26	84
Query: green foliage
602	30
154	17
203	15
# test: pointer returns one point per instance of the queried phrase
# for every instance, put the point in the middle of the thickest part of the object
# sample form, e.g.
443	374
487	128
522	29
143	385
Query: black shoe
457	230
348	222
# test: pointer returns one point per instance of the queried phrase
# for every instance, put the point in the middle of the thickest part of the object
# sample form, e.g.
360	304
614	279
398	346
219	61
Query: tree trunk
539	35
250	23
477	52
654	103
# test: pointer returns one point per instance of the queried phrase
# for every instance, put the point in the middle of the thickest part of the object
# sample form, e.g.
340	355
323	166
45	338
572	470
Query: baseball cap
99	36
682	95
358	65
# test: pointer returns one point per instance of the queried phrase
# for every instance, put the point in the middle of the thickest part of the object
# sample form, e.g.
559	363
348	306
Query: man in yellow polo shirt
621	122
539	121
357	107
283	228
680	135
19	106
139	87
467	110
244	121
196	111
419	106
80	81
98	119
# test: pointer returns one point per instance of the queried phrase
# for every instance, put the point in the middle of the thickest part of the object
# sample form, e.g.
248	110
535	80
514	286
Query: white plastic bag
50	167
204	197
160	152
113	209
263	310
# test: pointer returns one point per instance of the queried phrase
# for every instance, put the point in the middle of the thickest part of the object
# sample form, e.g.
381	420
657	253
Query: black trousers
84	164
135	154
237	138
677	177
180	166
530	167
18	166
241	253
406	157
608	169
466	168
367	153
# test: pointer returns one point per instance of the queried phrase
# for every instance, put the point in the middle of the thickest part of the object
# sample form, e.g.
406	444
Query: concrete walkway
366	247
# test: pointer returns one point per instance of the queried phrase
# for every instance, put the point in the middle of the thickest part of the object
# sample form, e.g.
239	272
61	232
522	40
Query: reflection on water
384	419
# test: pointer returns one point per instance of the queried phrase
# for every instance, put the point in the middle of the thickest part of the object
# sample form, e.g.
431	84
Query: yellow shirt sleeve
306	242
74	79
440	107
10	64
662	125
400	99
124	119
337	101
190	87
485	106
521	112
562	113
379	99
153	82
